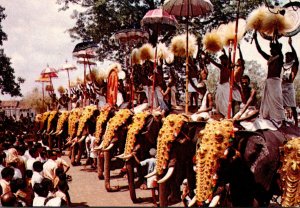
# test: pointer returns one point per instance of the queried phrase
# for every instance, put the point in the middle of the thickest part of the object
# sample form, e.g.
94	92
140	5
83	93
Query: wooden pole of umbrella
233	61
187	62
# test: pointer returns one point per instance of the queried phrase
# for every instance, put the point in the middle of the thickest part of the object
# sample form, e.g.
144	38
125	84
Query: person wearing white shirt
33	155
37	176
50	166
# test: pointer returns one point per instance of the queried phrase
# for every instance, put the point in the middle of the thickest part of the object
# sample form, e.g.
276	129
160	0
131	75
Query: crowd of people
31	174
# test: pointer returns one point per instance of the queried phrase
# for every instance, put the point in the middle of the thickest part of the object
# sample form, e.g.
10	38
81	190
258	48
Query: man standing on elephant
290	70
272	102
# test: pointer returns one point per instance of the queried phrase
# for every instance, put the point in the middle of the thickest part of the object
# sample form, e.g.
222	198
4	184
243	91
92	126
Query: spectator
7	175
9	200
37	176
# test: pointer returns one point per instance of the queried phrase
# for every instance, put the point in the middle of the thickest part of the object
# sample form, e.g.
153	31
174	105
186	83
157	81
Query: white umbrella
68	67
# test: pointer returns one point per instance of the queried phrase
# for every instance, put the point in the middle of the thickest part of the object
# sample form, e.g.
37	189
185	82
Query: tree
35	100
8	84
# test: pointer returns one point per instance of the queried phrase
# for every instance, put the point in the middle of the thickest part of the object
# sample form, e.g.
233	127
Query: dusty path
87	190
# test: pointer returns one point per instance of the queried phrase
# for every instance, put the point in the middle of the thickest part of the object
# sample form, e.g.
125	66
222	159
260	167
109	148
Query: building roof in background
14	104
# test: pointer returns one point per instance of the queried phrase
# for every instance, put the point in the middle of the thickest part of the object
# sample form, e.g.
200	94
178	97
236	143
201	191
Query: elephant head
105	114
86	115
134	128
212	143
43	123
290	173
73	120
113	125
63	118
52	119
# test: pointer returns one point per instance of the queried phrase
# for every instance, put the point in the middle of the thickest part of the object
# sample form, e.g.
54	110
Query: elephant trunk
130	176
100	165
107	173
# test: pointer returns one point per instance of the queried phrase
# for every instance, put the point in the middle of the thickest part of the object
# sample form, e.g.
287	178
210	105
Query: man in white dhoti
249	101
223	88
290	70
272	102
206	105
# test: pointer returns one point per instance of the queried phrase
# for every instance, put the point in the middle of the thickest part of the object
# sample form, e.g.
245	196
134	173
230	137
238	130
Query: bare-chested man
290	70
272	101
223	88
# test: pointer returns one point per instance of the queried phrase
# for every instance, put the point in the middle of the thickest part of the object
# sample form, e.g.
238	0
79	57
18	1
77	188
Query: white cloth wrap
204	115
288	94
190	87
272	101
222	97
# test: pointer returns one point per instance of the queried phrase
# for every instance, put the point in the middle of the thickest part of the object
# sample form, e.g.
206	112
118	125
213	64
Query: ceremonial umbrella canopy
49	72
85	51
130	37
188	8
68	67
42	80
158	19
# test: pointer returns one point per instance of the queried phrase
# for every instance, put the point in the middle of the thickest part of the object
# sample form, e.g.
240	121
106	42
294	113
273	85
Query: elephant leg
107	161
79	153
130	177
50	142
73	151
100	165
163	195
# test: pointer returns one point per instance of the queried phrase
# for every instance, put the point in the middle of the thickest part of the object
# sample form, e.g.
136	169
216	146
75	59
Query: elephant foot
76	163
138	200
172	199
113	189
101	177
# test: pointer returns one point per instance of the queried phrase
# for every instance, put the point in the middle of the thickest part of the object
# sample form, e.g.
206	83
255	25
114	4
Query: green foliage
8	84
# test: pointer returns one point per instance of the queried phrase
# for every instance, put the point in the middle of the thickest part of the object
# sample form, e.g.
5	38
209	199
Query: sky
37	37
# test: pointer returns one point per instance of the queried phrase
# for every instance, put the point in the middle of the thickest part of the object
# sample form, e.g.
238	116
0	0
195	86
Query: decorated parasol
43	80
131	37
188	8
85	51
158	19
68	67
49	72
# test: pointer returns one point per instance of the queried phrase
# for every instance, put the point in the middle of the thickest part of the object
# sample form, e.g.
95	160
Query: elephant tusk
109	147
81	139
50	132
167	176
58	133
53	133
151	174
43	132
193	201
214	201
127	157
120	156
99	147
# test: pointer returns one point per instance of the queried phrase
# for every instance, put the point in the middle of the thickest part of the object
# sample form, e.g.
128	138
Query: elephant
141	137
176	147
106	113
247	161
87	121
114	142
62	129
51	127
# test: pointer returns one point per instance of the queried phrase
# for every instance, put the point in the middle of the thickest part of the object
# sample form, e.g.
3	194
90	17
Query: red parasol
49	72
188	8
158	19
